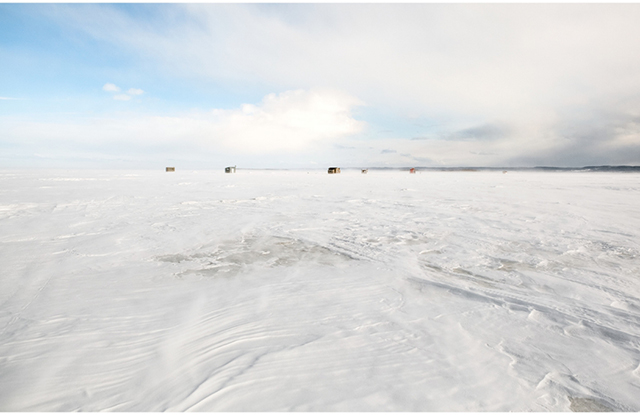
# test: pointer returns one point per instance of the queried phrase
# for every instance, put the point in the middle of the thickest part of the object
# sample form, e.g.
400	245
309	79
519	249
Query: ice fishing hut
171	169
334	170
230	169
412	170
365	171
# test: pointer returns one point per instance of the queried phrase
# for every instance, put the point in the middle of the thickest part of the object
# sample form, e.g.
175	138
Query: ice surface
296	290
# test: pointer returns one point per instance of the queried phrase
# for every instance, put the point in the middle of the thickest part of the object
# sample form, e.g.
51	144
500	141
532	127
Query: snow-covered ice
296	290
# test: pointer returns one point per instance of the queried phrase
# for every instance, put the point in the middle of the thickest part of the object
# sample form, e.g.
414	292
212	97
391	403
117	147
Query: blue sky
308	85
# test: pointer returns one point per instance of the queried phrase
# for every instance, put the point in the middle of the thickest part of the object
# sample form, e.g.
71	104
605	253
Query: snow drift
301	291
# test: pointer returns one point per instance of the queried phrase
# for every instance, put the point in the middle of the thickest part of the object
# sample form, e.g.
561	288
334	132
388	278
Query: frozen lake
301	291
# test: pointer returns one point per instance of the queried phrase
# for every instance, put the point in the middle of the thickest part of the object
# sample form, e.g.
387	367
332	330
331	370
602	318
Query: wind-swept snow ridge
288	291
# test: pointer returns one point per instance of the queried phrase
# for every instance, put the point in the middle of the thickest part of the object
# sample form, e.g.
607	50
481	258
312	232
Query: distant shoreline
604	168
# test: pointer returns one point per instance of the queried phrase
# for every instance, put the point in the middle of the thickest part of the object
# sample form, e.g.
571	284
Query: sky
311	85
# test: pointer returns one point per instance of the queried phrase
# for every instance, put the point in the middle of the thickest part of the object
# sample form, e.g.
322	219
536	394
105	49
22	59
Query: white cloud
122	97
290	121
287	123
467	57
135	91
461	57
110	88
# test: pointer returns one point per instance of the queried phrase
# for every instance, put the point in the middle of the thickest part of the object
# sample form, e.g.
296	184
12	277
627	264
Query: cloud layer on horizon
286	123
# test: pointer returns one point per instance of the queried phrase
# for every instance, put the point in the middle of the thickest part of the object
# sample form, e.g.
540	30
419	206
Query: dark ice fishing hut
334	170
171	169
230	169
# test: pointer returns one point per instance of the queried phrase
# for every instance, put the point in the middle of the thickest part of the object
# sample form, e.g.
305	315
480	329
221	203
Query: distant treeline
594	168
630	169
